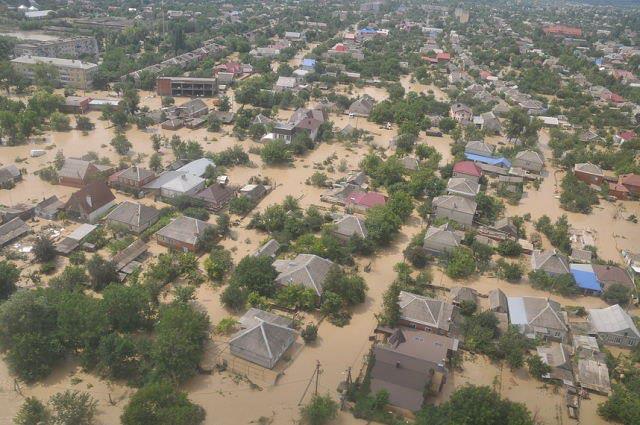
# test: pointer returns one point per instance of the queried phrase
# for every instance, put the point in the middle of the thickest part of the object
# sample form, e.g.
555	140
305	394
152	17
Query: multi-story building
64	48
71	72
186	86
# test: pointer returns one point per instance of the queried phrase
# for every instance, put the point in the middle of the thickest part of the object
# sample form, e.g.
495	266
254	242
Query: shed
13	230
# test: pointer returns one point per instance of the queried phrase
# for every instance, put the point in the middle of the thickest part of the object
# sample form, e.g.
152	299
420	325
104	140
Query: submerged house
307	270
182	233
91	202
264	339
537	317
428	314
133	216
411	364
441	239
551	262
614	326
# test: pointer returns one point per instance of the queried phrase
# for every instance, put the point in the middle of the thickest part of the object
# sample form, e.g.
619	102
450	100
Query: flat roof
68	63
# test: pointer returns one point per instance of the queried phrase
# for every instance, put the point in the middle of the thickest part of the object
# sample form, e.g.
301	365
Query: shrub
309	333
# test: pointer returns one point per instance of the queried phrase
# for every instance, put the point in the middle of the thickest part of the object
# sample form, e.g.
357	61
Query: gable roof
91	197
536	312
8	173
551	261
136	174
463	186
349	225
530	156
479	146
467	167
630	180
268	249
442	235
183	183
612	319
456	203
366	199
129	254
588	168
428	311
134	214
76	168
12	229
286	82
197	167
216	193
308	270
608	275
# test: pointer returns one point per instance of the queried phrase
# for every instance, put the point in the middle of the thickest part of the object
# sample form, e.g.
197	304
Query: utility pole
346	389
315	374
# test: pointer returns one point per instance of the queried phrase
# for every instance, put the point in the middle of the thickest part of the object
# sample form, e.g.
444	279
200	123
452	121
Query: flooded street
225	398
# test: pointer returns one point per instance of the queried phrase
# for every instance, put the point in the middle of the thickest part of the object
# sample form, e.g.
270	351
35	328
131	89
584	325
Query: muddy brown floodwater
229	401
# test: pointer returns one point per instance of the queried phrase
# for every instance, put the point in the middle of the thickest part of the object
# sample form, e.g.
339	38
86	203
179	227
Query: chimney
397	365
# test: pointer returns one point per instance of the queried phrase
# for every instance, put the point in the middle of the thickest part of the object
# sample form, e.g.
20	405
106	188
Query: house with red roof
624	136
468	170
443	57
631	182
562	30
362	201
618	190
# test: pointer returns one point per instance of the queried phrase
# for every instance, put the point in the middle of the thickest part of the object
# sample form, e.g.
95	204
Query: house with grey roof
410	163
49	208
407	364
361	107
551	261
498	301
614	326
135	177
349	226
529	160
308	270
268	249
441	239
479	147
428	314
264	339
506	226
9	174
456	208
182	233
133	216
285	83
537	317
182	184
589	173
77	172
197	167
463	187
463	294
558	357
12	230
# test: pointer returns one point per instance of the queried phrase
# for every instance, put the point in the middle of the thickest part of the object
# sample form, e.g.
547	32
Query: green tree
235	297
155	162
225	104
121	144
382	224
44	250
460	263
161	404
101	272
537	368
32	412
275	152
128	308
59	122
218	264
617	294
310	333
118	357
9	275
180	335
256	274
73	408
320	410
84	123
471	405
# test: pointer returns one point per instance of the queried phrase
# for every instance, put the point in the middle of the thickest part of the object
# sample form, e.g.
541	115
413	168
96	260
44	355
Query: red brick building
589	173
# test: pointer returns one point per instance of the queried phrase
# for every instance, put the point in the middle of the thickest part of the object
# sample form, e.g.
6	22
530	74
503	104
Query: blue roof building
309	64
585	277
500	162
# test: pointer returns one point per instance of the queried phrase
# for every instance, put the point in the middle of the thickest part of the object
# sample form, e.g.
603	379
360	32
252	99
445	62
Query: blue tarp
585	277
310	63
502	162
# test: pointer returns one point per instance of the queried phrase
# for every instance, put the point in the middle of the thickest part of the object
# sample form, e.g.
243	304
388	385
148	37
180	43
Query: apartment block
186	86
64	48
71	72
